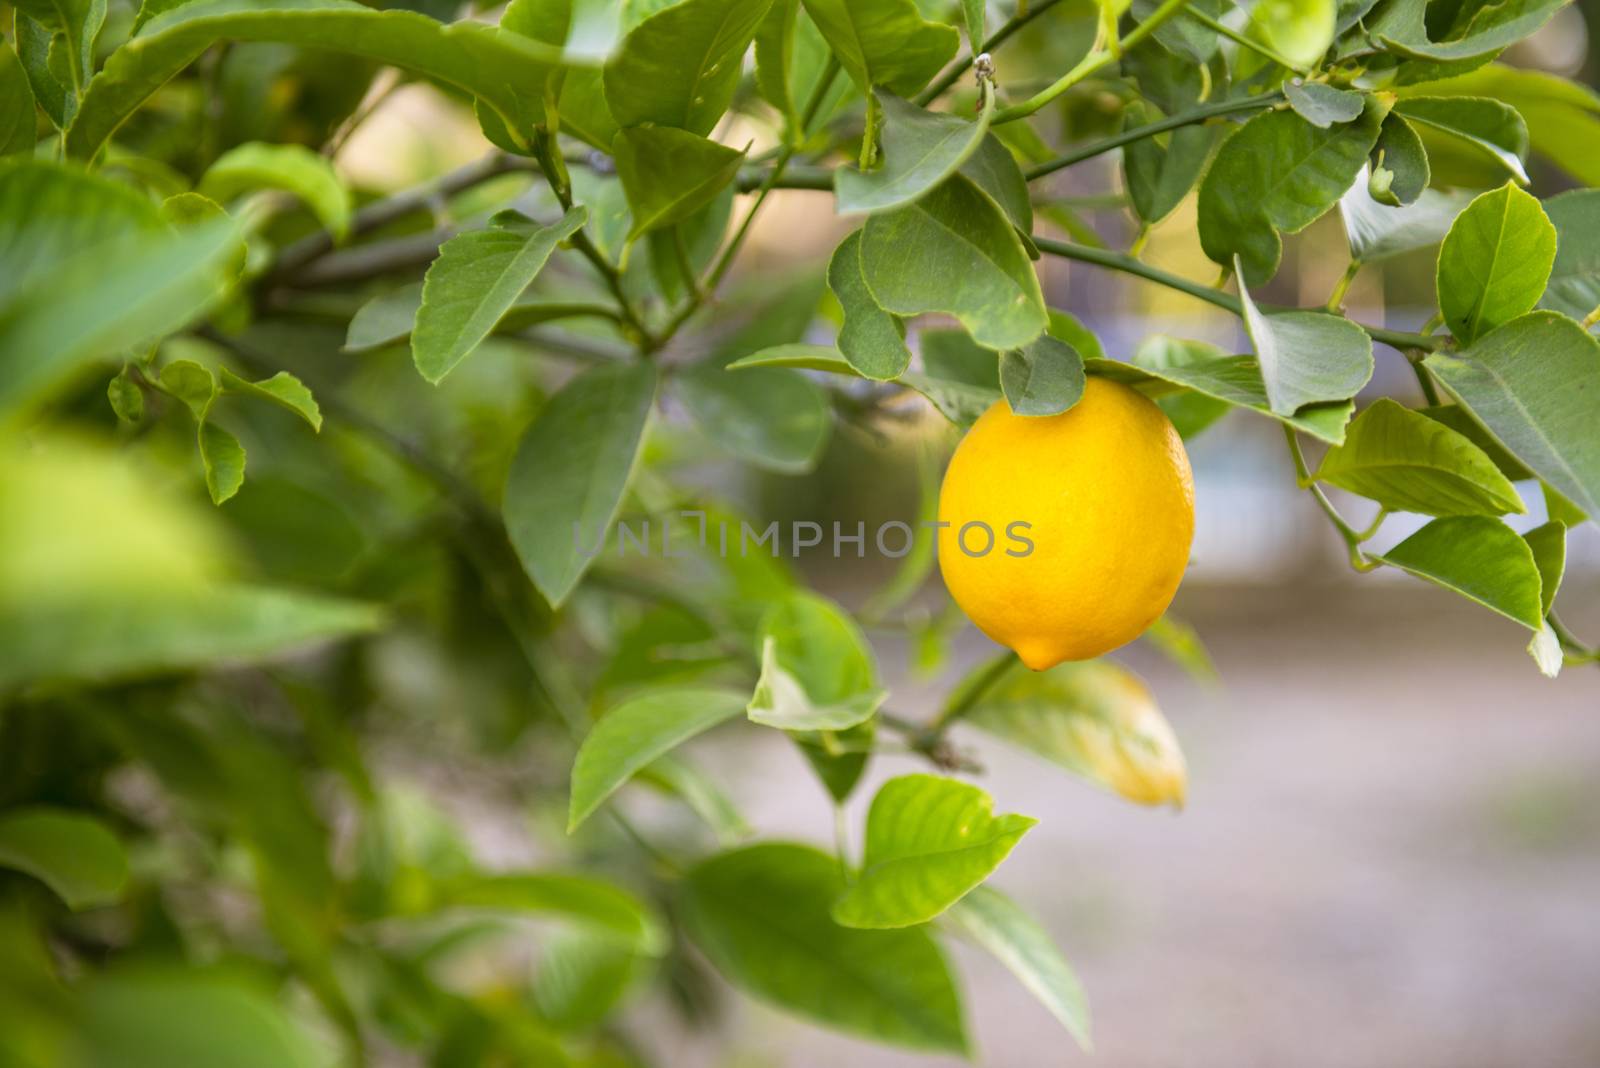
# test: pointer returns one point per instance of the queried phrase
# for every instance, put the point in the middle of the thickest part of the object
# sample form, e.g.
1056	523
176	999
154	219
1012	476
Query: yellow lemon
1067	535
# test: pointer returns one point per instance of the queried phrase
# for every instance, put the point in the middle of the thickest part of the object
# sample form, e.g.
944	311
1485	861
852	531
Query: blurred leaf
919	150
385	319
1181	34
571	470
581	979
1399	165
929	841
884	42
953	251
1408	462
79	21
1482	559
18	126
773	418
599	905
192	384
475	280
127	399
1276	173
1575	277
670	174
1377	232
73	853
1490	127
223	458
680	66
1094	719
1044	377
780	701
292	168
704	797
1016	940
1160	171
1305	357
1298	30
1401	26
282	389
870	338
1549	545
1559	508
1320	104
762	915
1181	644
636	732
1527	382
34	43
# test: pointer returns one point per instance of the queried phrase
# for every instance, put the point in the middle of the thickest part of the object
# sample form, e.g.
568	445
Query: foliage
305	481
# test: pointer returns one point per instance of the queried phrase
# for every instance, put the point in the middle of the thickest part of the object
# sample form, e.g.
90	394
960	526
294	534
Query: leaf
884	43
223	457
919	150
704	797
680	66
1401	26
1376	232
18	126
127	399
1408	462
870	338
960	402
1320	104
475	280
1575	276
1016	940
670	174
993	169
78	21
972	15
282	389
1457	418
1191	412
774	419
582	978
292	168
1490	127
780	701
385	319
506	70
1044	377
1278	173
1305	357
192	384
792	58
1180	642
929	841
1548	543
954	252
761	915
1399	165
571	469
35	44
1534	384
1495	262
73	853
599	905
1482	559
1064	326
1092	718
1159	175
1298	30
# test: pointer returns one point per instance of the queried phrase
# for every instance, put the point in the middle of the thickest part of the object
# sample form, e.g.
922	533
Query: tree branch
1139	133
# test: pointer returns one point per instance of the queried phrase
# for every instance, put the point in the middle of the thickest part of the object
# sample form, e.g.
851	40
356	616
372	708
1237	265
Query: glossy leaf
73	853
918	150
1399	167
224	460
884	43
780	701
1533	382
282	389
954	252
628	737
1495	262
670	174
929	841
1549	545
1490	127
1278	173
761	915
292	168
791	60
870	338
680	66
1575	276
475	280
1322	105
1092	718
1401	27
1306	357
18	127
1016	940
773	418
78	22
1044	377
570	471
1482	559
1408	462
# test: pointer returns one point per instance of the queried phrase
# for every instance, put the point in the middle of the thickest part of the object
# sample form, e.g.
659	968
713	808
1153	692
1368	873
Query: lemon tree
342	503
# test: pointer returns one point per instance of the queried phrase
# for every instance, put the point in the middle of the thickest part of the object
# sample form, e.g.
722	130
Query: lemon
1067	535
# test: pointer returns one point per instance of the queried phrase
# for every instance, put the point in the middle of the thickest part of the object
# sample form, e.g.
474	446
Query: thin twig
1139	133
953	75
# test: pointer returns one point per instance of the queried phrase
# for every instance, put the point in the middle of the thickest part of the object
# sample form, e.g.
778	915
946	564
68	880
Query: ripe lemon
1107	498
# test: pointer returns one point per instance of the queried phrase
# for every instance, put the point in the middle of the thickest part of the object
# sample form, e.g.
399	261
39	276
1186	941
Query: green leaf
1322	105
1298	30
636	732
1160	171
701	794
581	979
993	169
1278	173
1559	508
1180	642
780	701
1533	383
670	174
1305	357
35	44
73	853
1092	718
1191	412
774	419
953	251
1408	462
1064	326
929	841
475	280
884	42
792	58
1401	26
571	469
1482	559
680	66
506	70
78	21
599	905
870	338
18	127
972	14
1495	262
192	384
1016	940
127	399
1548	543
1575	276
1488	126
223	457
1458	419
385	319
282	389
1377	232
919	149
761	915
1044	377
1400	171
292	168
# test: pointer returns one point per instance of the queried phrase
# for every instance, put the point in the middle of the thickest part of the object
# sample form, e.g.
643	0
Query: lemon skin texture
1107	491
